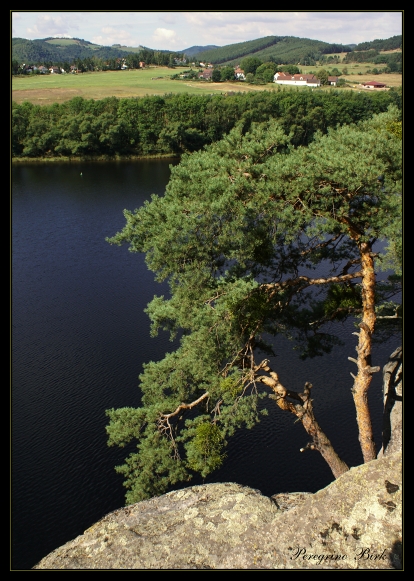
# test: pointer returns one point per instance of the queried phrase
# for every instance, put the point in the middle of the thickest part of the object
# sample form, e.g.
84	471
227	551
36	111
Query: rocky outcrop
354	523
392	390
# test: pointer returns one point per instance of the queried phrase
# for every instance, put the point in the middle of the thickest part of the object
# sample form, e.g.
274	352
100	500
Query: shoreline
100	158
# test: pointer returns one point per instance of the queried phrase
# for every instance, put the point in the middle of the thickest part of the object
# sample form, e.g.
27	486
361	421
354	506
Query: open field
49	89
391	80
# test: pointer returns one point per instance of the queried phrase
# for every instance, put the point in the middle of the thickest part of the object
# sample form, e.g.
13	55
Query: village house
239	74
333	81
206	74
297	79
373	85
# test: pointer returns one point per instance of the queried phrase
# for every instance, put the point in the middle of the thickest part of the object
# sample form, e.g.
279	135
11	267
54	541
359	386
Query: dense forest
178	123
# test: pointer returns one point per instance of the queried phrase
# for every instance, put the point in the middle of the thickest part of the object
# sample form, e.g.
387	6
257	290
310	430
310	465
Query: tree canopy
180	123
238	235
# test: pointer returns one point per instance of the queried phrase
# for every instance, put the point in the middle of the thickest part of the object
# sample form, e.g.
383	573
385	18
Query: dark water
79	339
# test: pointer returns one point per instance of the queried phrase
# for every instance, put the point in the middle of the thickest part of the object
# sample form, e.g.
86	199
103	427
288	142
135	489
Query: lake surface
79	339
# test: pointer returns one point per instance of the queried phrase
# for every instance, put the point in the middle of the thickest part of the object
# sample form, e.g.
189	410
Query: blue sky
180	30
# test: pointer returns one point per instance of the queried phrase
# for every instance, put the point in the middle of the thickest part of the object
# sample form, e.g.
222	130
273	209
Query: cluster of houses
299	79
279	78
73	69
52	70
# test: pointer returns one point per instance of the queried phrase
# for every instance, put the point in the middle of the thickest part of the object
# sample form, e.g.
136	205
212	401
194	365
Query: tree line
392	61
175	124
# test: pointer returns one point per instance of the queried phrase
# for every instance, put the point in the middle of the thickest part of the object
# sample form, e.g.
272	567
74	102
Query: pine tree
240	229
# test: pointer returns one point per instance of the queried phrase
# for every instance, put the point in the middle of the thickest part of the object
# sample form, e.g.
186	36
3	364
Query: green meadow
49	89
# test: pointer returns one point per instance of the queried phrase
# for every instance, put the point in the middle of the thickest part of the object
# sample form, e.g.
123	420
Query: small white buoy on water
81	173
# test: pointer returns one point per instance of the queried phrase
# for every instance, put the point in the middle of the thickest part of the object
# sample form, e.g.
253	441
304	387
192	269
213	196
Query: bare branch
306	281
334	313
185	406
164	426
394	316
349	264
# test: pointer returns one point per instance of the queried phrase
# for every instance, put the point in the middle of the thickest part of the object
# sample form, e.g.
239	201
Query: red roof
374	83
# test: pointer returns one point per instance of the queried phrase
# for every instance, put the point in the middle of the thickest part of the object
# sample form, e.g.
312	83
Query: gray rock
392	390
354	523
288	500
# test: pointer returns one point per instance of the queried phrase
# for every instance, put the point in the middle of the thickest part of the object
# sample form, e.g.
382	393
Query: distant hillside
128	48
60	50
381	44
279	49
283	49
296	50
141	48
193	50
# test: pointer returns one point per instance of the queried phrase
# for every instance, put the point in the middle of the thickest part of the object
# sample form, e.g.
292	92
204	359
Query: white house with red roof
373	85
297	79
239	74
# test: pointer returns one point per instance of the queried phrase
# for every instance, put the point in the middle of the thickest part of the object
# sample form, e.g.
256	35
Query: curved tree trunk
302	408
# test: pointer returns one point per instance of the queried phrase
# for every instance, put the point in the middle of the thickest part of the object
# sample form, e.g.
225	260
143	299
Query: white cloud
110	35
15	18
230	27
176	30
165	38
168	18
47	25
210	17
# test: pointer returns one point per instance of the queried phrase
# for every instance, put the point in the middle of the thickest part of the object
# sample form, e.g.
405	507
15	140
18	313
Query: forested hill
287	49
60	50
378	44
279	49
294	50
196	50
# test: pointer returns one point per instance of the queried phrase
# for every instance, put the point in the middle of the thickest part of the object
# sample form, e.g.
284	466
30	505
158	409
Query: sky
178	30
